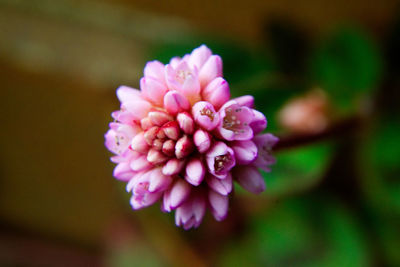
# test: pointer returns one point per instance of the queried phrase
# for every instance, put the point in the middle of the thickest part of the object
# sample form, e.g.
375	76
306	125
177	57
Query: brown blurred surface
244	19
54	168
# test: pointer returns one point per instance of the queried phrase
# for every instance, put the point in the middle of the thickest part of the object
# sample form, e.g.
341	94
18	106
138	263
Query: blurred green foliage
379	165
297	170
346	64
310	231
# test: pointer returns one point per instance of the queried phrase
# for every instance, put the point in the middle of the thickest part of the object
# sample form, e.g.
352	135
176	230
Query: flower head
179	139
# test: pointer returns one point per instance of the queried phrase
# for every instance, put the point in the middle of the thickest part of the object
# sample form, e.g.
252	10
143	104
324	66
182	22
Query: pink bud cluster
181	140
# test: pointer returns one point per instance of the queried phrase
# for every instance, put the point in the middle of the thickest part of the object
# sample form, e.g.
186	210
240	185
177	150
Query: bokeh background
325	73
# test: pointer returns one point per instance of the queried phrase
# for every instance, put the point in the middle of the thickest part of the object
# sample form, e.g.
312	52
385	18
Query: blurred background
325	73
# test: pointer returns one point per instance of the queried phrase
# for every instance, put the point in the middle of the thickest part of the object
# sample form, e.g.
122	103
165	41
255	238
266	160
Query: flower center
181	75
220	161
121	142
118	140
231	120
207	112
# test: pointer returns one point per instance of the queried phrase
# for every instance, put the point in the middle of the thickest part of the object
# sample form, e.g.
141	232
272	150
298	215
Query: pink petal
184	212
179	193
113	143
138	109
245	151
191	89
159	181
177	76
202	140
190	223
132	182
195	172
173	166
235	122
154	156
199	56
125	156
211	69
158	144
171	130
168	147
191	212
151	134
153	90
155	69
217	92
166	205
268	140
265	143
159	117
140	163
218	204
184	146
220	159
199	208
250	179
175	102
246	100
219	148
205	115
174	62
144	201
221	186
146	123
259	122
123	172
139	143
128	94
110	141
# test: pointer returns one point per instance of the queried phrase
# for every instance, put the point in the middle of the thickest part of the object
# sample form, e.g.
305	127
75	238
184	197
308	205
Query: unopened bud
171	130
186	122
184	146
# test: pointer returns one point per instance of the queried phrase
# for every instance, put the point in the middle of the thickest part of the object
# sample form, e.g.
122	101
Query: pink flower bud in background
307	114
179	139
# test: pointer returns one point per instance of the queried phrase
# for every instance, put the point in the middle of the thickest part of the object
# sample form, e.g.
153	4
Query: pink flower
181	140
